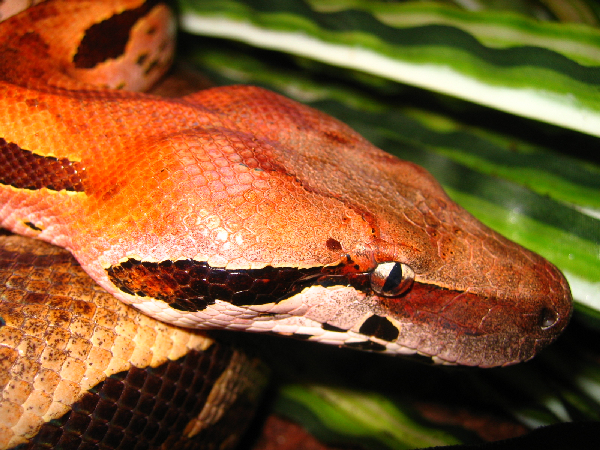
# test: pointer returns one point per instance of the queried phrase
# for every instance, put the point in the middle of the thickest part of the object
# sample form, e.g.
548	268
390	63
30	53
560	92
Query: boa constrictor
231	208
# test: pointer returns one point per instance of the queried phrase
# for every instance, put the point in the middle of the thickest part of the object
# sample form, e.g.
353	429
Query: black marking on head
332	276
23	169
328	282
32	226
328	327
379	327
190	285
141	59
2	322
107	39
366	345
360	282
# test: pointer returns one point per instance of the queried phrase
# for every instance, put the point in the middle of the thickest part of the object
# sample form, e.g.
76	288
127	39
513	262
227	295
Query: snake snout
557	305
499	321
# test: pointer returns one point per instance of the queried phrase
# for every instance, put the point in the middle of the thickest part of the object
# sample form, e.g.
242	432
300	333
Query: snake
139	222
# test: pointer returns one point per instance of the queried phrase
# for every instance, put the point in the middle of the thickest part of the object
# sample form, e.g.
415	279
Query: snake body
81	369
237	208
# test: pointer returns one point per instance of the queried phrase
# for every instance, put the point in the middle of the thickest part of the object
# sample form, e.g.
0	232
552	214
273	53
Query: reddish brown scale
24	169
189	285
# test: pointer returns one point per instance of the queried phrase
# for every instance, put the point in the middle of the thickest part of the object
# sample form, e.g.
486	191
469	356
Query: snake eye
391	279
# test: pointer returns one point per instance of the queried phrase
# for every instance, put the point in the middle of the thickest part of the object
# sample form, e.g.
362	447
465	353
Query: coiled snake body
230	208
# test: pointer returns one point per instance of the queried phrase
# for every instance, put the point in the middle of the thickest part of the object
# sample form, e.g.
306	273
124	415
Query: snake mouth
448	325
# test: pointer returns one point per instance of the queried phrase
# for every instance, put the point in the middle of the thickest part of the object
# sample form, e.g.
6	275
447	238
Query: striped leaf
544	71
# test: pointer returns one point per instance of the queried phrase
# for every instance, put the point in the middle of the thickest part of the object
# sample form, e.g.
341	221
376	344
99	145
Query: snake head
403	269
438	282
266	215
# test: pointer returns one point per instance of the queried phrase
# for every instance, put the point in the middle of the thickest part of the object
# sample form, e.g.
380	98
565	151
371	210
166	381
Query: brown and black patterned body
82	370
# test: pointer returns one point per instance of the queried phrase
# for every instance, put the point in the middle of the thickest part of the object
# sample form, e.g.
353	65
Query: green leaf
545	71
359	416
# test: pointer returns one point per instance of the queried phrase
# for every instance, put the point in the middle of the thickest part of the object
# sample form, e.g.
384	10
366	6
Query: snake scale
231	208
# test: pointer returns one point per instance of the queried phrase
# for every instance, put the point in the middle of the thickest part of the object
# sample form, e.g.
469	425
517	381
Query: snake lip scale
186	208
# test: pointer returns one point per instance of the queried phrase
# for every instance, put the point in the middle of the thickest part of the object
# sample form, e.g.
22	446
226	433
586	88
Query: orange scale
235	189
266	207
237	199
253	196
241	152
228	179
211	175
243	172
192	183
167	185
206	164
234	225
251	162
245	211
216	187
221	162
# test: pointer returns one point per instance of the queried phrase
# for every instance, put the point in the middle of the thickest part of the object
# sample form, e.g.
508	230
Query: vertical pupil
393	279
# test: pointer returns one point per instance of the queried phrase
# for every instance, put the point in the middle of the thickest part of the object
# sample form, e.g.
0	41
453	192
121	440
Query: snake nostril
547	318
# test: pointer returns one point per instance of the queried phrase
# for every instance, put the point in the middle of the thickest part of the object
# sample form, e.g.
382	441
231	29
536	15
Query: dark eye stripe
190	285
23	169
